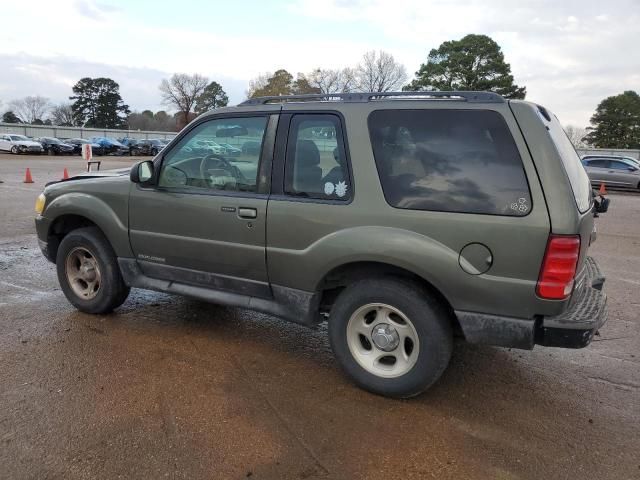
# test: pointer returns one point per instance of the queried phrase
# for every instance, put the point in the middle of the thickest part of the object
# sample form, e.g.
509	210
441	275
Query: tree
279	83
29	109
181	91
332	81
10	117
62	115
616	123
379	72
97	103
212	97
576	136
474	62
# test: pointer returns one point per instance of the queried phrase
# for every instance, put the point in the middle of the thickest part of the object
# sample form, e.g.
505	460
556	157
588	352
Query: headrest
307	153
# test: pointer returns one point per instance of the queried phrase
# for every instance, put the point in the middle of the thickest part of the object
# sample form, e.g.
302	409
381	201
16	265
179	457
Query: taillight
559	267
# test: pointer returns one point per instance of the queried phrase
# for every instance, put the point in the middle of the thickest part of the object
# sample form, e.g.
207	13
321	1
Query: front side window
616	165
316	165
600	163
199	162
462	161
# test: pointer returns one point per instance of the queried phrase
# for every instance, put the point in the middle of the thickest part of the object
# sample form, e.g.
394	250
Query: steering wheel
221	163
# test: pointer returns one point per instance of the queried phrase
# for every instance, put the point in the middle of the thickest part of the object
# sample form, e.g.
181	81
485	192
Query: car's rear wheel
154	152
50	151
88	272
391	336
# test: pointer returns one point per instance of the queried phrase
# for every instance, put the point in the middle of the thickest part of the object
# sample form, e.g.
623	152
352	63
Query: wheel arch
339	277
72	211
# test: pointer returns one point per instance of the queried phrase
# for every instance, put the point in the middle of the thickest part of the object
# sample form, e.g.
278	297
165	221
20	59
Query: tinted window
198	162
316	164
449	160
574	169
601	163
620	165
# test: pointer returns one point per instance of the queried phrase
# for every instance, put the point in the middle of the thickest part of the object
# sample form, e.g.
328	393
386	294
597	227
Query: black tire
50	151
14	150
112	291
430	319
154	152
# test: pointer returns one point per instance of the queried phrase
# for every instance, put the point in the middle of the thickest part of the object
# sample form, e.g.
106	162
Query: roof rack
471	97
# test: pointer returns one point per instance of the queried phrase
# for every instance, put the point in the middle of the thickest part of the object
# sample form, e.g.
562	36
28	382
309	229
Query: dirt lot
171	387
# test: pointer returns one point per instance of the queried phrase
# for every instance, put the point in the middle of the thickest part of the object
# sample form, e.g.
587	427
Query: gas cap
475	258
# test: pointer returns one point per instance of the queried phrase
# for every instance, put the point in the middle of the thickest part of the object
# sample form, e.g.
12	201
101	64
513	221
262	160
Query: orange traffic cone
603	190
65	174
27	177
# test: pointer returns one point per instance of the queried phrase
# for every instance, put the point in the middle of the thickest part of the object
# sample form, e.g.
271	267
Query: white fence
607	151
78	132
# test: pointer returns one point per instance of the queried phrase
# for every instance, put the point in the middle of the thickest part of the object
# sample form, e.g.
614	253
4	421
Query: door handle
244	212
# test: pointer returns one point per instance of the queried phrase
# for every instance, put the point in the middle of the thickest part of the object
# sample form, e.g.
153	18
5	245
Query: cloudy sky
570	54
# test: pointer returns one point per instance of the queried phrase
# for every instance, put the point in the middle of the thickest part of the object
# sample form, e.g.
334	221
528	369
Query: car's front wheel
391	336
14	150
88	272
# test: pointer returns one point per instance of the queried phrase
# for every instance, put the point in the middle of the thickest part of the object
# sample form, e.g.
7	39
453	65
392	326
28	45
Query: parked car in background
54	146
111	145
77	143
231	150
613	171
212	146
611	157
143	147
19	144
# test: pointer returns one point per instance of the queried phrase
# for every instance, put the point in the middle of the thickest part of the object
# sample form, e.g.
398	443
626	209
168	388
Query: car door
621	174
203	222
5	142
597	169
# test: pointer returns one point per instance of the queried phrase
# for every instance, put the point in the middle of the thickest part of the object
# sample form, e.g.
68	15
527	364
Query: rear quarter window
463	161
578	178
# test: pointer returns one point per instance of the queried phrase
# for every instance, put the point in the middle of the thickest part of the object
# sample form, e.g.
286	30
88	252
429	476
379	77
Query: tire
14	150
407	308
111	291
50	152
154	152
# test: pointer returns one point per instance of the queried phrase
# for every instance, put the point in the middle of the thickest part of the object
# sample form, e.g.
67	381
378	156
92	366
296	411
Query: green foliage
98	103
616	123
10	117
280	83
212	97
474	62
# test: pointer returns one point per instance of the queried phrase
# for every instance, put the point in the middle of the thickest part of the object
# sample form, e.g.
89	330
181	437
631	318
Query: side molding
294	305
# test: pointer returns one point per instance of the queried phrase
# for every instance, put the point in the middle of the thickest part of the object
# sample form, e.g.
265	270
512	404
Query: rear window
576	173
462	161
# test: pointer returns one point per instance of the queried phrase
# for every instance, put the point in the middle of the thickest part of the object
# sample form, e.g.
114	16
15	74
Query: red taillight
559	267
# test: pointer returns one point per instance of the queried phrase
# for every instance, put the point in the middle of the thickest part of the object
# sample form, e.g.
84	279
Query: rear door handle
244	212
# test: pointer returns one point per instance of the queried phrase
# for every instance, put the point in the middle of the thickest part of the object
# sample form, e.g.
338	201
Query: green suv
402	219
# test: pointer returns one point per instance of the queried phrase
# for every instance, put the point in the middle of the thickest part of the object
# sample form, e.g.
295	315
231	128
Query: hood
120	172
27	143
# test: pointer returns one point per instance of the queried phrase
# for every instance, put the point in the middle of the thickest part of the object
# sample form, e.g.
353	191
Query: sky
570	54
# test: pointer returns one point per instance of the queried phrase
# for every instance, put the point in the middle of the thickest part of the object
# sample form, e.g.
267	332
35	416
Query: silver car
613	171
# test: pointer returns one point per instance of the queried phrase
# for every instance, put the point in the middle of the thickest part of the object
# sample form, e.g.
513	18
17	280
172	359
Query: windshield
17	138
578	177
53	140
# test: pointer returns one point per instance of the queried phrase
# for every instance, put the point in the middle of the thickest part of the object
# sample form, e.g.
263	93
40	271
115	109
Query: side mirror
632	169
142	172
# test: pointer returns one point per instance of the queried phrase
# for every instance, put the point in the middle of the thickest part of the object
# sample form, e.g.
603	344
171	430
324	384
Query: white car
19	144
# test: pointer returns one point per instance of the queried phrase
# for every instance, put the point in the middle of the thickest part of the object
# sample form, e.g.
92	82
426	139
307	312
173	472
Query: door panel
203	222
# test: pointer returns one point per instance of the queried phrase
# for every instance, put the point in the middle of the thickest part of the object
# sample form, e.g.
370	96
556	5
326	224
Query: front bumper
574	328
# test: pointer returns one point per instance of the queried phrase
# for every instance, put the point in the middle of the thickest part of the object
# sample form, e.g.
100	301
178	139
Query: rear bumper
574	328
587	312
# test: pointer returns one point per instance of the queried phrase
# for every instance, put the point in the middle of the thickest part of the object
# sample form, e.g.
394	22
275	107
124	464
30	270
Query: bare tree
379	72
577	136
332	81
62	115
258	84
29	109
181	91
